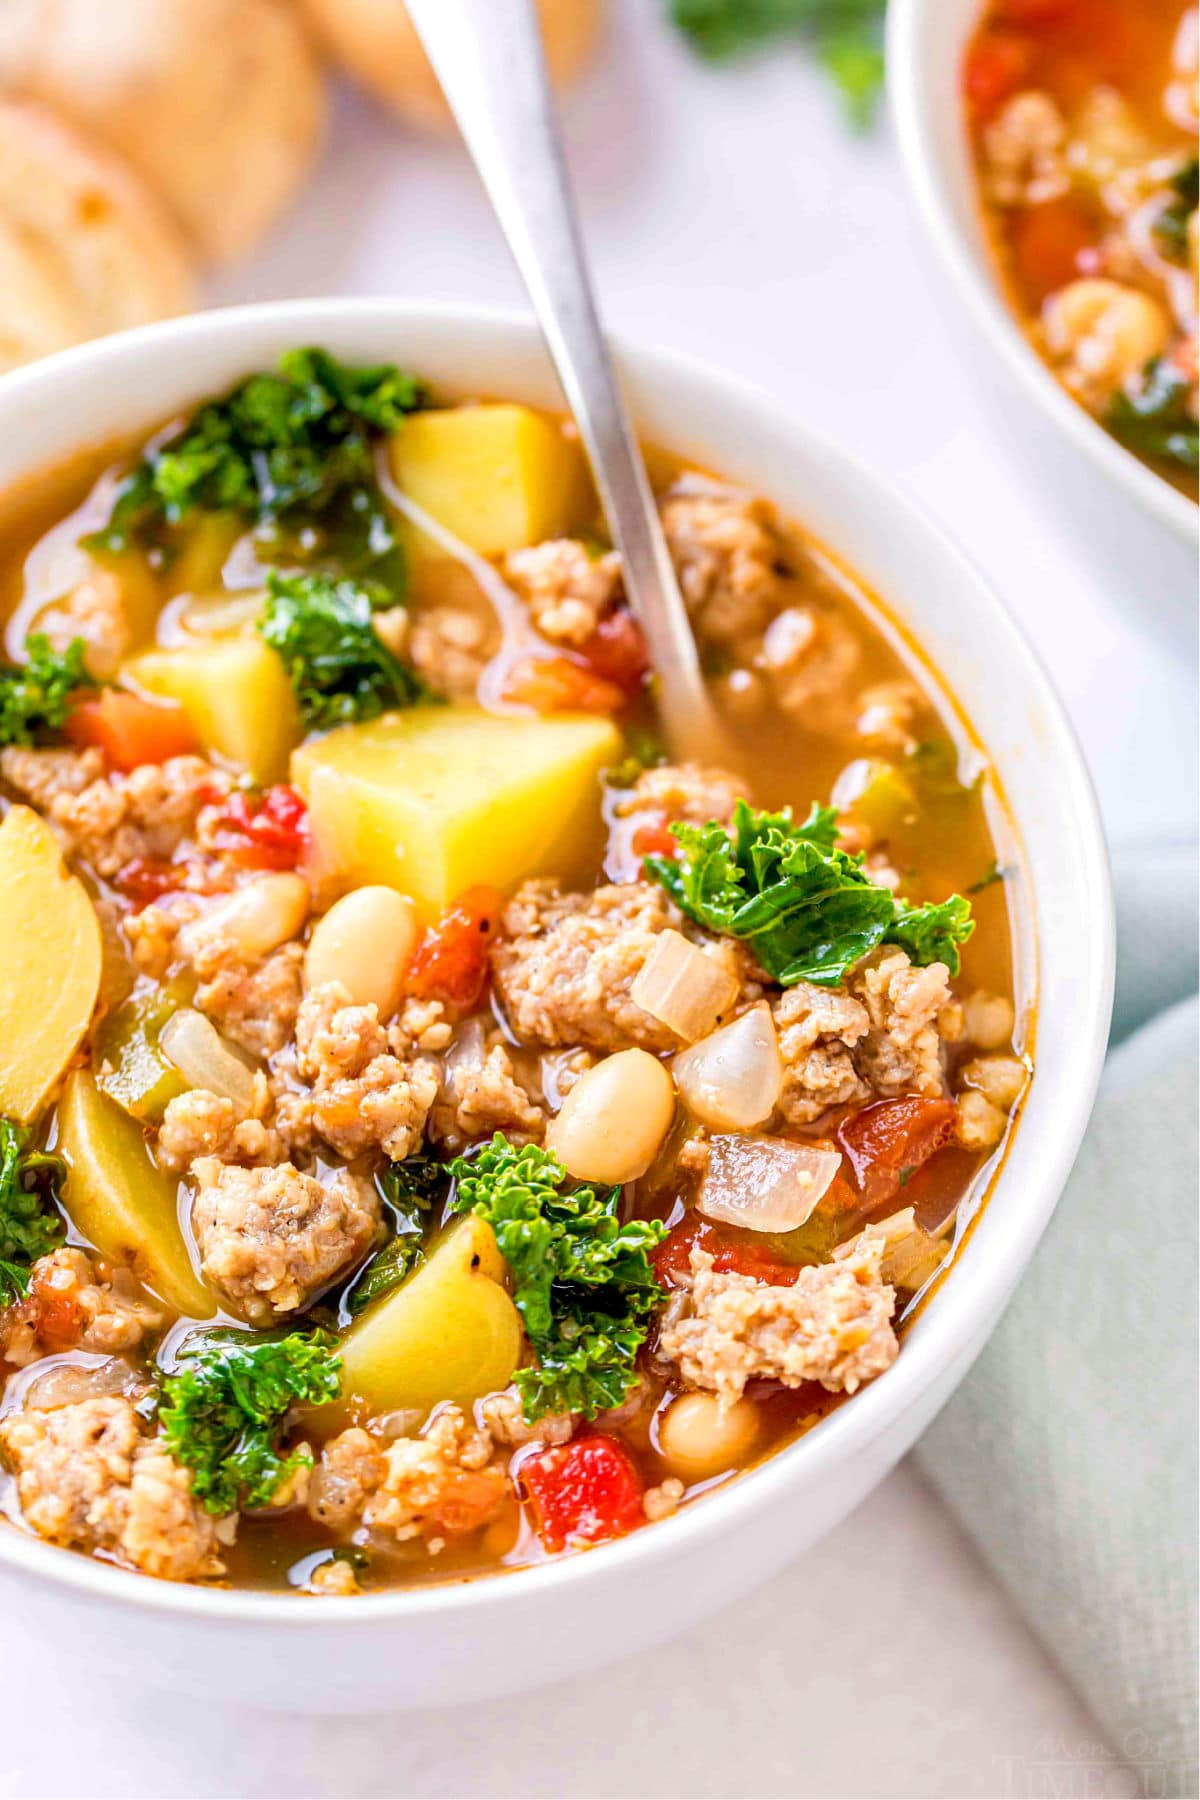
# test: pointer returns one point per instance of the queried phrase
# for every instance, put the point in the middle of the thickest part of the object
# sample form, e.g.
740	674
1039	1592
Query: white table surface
730	216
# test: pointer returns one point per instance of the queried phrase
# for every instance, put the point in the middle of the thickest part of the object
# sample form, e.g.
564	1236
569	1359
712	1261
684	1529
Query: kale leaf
583	1282
29	1225
35	695
1171	225
292	453
847	36
1153	418
808	910
411	1189
222	1411
338	665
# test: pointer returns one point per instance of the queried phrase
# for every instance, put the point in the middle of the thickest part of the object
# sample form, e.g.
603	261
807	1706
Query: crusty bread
84	249
217	104
376	43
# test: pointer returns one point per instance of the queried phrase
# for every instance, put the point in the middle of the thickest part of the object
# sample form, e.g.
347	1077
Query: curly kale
808	910
222	1411
411	1190
29	1224
1153	417
290	452
35	695
847	36
339	667
584	1284
1171	226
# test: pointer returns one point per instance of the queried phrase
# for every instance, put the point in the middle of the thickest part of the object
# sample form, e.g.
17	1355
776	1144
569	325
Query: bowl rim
950	1333
927	144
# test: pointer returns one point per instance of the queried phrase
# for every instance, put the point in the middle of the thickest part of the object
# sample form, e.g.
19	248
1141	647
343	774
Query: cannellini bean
698	1439
366	941
989	1019
614	1119
257	917
1103	333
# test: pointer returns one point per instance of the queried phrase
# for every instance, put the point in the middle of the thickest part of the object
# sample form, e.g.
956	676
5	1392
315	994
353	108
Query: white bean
257	917
614	1119
366	941
698	1439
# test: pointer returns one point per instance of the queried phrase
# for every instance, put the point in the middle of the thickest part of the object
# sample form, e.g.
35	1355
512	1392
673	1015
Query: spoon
488	56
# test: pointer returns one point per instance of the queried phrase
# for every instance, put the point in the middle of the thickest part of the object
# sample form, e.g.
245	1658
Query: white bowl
925	44
462	1641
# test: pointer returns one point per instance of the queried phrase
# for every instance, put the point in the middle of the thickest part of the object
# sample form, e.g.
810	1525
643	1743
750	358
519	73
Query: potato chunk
449	1333
50	958
235	692
435	800
498	477
120	1201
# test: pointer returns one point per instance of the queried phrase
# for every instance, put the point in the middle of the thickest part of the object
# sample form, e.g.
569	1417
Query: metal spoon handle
488	56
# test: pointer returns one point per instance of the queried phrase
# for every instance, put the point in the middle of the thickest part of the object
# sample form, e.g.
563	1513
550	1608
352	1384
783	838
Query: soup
1083	121
440	1132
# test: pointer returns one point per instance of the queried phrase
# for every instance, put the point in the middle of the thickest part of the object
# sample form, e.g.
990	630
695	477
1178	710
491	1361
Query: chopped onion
66	1380
910	1254
731	1079
765	1183
464	1057
682	987
204	1059
220	615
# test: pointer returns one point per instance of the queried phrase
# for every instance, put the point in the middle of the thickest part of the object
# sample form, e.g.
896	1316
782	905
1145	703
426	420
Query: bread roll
217	104
376	43
84	248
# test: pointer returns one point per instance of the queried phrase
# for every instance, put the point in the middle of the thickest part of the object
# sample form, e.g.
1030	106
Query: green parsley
222	1411
583	1282
29	1225
808	910
291	452
847	36
339	666
411	1189
991	875
1171	226
1153	418
35	695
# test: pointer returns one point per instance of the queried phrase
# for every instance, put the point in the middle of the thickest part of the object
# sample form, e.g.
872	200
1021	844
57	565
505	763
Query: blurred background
744	205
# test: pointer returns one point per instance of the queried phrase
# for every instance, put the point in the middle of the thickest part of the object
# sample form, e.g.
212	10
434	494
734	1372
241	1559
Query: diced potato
498	477
877	793
434	800
237	695
50	962
120	1201
449	1333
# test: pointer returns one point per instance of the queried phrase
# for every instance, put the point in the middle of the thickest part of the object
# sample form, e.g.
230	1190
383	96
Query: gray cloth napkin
1069	1452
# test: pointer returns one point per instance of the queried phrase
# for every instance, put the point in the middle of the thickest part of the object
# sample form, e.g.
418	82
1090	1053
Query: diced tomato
451	961
993	69
654	840
582	1492
886	1143
731	1256
1048	241
616	651
551	684
269	831
131	730
1029	14
147	878
55	1295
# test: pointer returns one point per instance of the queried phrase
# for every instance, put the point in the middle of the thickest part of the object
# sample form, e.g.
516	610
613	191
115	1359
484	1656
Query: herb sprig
808	910
339	666
847	36
29	1224
1152	418
584	1284
35	696
411	1190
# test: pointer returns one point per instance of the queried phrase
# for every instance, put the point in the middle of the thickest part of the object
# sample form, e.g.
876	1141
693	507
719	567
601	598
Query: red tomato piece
55	1297
616	651
147	878
582	1492
653	840
1048	241
887	1143
269	831
467	1500
131	730
451	961
1029	14
993	69
731	1256
551	684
